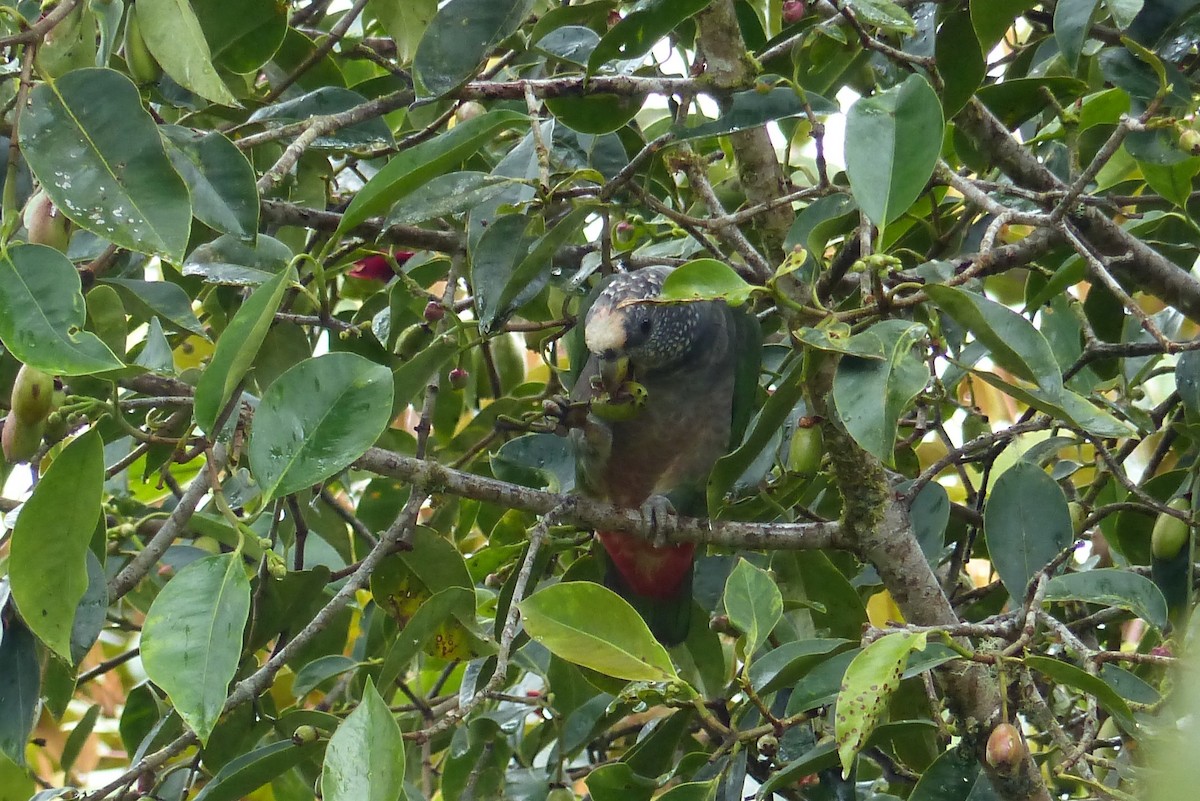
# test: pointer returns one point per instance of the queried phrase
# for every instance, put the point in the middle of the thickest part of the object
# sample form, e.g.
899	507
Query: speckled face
652	335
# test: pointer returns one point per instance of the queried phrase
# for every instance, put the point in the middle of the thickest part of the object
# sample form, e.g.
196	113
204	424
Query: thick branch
876	520
433	477
1135	261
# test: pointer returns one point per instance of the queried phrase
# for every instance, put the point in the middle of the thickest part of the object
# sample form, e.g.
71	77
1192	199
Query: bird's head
628	332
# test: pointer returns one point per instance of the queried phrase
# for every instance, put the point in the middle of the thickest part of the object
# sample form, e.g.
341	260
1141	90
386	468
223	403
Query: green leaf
789	390
1027	524
229	260
949	778
462	34
1112	587
640	29
221	180
20	688
237	348
837	339
242	36
532	272
860	385
192	637
16	784
961	62
1013	342
244	774
1172	181
753	108
1069	407
883	14
993	18
42	313
309	677
706	279
617	781
753	603
176	40
364	760
411	377
446	196
786	665
443	606
97	153
372	132
872	677
48	562
405	21
893	140
592	626
91	611
316	419
78	736
162	299
1107	697
1072	21
412	168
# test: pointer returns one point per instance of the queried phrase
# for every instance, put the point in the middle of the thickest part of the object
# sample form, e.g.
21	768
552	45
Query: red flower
376	267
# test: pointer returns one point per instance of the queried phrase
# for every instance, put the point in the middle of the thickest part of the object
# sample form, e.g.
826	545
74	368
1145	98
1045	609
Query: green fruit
1170	534
45	224
143	67
412	340
21	439
303	735
806	450
623	406
458	378
1189	141
32	395
1078	515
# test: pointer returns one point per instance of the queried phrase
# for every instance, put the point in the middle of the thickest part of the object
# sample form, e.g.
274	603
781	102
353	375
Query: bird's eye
645	326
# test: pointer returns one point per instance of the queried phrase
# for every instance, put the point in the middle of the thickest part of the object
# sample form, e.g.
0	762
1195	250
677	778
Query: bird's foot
563	415
659	514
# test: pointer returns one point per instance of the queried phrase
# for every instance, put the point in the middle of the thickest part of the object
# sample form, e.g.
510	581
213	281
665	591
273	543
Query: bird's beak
613	373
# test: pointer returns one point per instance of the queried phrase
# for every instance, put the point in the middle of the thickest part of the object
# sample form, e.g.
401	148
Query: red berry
794	11
434	311
458	378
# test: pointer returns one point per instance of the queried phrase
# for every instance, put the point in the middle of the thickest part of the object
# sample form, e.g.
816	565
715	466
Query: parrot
683	364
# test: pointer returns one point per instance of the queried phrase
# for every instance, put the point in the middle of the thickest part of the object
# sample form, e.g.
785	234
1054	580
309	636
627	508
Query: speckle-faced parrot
662	379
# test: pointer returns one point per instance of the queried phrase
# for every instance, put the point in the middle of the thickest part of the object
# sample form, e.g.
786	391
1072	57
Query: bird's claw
659	514
564	414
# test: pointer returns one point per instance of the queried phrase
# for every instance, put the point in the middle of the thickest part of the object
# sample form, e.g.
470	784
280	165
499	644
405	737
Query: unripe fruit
560	794
20	440
469	111
303	735
143	68
793	11
768	745
1078	515
1005	749
434	311
45	224
1189	141
32	394
807	448
458	378
1170	534
625	406
412	340
624	235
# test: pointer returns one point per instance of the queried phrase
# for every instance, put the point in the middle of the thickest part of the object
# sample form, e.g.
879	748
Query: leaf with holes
873	675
